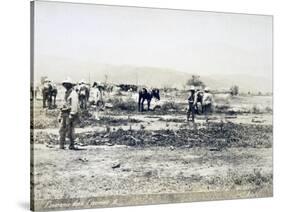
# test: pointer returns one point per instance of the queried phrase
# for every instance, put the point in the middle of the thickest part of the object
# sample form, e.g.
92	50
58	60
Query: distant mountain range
160	77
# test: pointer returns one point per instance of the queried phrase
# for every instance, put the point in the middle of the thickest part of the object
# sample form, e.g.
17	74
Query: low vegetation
128	105
215	135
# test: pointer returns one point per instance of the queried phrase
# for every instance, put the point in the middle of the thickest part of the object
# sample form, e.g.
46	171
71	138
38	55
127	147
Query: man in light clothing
68	114
96	99
208	101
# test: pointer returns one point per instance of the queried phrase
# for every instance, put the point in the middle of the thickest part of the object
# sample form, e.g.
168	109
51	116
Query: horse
49	93
144	94
83	95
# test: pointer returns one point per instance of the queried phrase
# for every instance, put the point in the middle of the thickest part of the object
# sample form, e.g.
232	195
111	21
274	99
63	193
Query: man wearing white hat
68	114
208	101
191	103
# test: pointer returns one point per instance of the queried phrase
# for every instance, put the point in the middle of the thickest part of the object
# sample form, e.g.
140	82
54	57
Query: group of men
72	104
196	97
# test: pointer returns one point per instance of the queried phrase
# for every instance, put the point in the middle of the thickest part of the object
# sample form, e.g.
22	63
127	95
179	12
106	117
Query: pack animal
49	93
83	95
145	95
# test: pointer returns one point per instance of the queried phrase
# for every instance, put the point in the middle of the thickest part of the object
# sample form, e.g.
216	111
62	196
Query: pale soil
89	172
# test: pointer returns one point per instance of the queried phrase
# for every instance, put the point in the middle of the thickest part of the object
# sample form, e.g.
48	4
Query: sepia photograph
137	106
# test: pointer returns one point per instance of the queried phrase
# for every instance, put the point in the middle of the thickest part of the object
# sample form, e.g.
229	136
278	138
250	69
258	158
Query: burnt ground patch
215	136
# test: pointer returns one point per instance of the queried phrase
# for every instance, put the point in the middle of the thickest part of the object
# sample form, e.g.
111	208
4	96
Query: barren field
127	152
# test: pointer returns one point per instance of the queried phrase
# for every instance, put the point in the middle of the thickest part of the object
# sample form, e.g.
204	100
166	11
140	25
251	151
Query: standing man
198	99
191	104
68	114
96	99
208	101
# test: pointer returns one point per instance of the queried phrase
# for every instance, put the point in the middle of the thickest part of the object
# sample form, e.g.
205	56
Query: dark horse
49	94
144	94
83	95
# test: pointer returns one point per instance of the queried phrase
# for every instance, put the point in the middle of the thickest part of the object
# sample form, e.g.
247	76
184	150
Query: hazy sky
75	36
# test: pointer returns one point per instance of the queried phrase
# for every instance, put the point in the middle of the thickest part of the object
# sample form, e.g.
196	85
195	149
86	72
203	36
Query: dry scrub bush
120	104
170	106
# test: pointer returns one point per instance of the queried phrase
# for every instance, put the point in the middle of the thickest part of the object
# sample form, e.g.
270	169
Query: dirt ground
89	172
154	152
